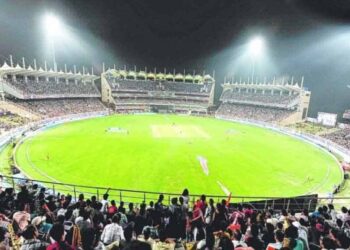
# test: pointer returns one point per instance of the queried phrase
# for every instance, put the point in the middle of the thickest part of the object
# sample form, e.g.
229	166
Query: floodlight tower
256	48
52	26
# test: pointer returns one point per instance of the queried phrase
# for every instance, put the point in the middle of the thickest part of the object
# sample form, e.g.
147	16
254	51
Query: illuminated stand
140	91
22	74
298	107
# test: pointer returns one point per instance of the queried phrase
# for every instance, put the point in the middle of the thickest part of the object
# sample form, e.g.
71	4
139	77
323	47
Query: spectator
112	209
4	241
57	234
113	232
279	236
104	203
253	239
31	240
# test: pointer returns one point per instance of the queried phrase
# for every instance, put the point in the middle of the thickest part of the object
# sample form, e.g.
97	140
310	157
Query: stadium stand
346	115
252	112
274	102
52	88
9	120
28	83
135	91
341	136
60	107
32	94
31	216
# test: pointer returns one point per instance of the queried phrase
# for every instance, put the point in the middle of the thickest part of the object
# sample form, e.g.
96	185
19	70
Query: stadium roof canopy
160	76
198	78
268	85
143	75
132	74
208	78
169	76
189	78
5	69
151	76
179	77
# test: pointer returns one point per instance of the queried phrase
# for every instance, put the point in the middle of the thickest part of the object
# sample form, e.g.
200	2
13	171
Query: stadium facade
131	91
30	87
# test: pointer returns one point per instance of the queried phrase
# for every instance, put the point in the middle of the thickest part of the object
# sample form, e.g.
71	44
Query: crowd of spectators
150	92
251	112
36	219
42	88
271	99
340	136
60	107
141	85
161	101
9	120
148	85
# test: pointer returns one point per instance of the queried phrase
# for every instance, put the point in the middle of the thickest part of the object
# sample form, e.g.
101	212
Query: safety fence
298	203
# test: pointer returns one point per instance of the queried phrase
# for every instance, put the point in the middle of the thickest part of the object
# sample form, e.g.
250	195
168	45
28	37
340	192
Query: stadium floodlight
52	27
256	46
255	49
52	24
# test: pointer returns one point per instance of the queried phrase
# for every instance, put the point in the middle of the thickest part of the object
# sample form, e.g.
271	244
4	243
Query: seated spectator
137	245
147	238
112	209
84	221
253	239
113	232
90	240
292	239
268	234
4	240
21	218
279	236
328	243
57	235
31	240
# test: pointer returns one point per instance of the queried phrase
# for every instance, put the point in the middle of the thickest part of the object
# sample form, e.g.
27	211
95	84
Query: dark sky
304	38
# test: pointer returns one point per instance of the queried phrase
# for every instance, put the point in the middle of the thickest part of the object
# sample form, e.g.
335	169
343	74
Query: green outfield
166	153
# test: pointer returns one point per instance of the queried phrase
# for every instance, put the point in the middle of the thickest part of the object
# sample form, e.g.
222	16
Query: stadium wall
301	114
106	91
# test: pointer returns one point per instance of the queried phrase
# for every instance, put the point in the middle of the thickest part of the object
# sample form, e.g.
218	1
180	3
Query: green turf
5	159
160	154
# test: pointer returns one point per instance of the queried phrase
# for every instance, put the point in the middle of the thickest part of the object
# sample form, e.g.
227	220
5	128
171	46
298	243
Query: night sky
303	38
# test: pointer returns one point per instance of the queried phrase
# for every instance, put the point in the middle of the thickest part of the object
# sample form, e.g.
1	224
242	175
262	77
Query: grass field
166	153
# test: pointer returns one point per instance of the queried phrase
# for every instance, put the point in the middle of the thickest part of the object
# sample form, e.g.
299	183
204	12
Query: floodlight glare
52	24
256	46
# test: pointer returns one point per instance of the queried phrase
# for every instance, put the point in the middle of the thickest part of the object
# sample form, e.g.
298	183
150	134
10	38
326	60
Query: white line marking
224	189
204	164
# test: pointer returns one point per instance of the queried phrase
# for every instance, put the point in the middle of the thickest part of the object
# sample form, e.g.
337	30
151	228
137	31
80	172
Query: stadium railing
297	203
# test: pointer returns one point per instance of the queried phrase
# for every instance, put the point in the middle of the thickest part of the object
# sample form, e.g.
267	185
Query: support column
35	68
